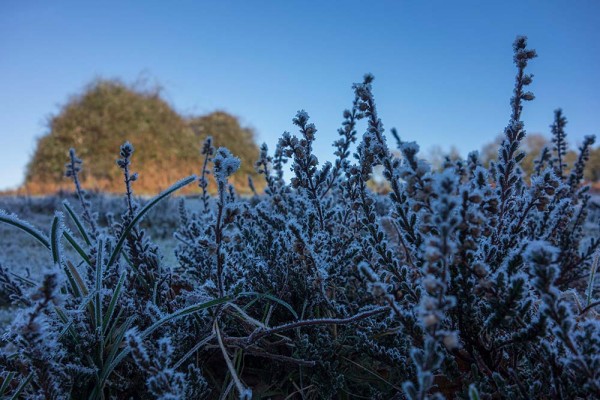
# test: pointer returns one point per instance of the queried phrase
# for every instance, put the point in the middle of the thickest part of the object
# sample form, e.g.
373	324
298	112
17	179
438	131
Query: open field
39	211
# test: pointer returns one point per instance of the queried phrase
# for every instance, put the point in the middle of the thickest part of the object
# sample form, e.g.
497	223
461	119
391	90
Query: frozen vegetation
463	282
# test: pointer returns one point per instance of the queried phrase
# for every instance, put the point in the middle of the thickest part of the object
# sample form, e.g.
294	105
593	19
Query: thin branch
260	333
589	307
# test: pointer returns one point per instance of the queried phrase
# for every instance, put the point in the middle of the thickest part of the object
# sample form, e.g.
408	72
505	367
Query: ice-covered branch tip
225	165
308	129
522	56
126	151
207	147
73	167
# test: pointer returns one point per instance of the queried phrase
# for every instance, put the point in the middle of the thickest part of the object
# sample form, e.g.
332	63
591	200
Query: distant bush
465	282
536	144
106	114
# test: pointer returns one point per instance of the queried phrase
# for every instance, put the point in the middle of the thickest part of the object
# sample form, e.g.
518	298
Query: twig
589	307
193	350
260	333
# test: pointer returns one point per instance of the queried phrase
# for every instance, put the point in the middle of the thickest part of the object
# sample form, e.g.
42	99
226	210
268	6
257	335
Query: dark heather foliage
464	282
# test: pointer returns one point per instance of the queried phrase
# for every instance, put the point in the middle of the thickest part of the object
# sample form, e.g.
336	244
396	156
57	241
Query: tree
108	113
534	144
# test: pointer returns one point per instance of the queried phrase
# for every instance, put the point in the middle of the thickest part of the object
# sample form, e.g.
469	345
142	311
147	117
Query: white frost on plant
225	164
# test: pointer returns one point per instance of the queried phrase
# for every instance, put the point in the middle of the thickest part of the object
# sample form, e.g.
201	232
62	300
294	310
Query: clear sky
443	69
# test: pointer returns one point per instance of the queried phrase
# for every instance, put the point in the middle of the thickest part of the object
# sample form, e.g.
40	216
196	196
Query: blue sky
443	69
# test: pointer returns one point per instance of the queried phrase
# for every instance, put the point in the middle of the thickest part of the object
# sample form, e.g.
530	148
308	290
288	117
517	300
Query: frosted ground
27	258
161	222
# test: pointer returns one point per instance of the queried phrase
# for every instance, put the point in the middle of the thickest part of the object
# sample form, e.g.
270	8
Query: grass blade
73	282
24	280
78	279
183	312
113	302
77	222
272	298
112	360
77	247
25	382
244	392
55	234
6	382
110	366
98	298
194	349
592	278
13	220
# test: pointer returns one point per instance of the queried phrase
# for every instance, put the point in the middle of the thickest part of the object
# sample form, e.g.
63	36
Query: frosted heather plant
463	282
